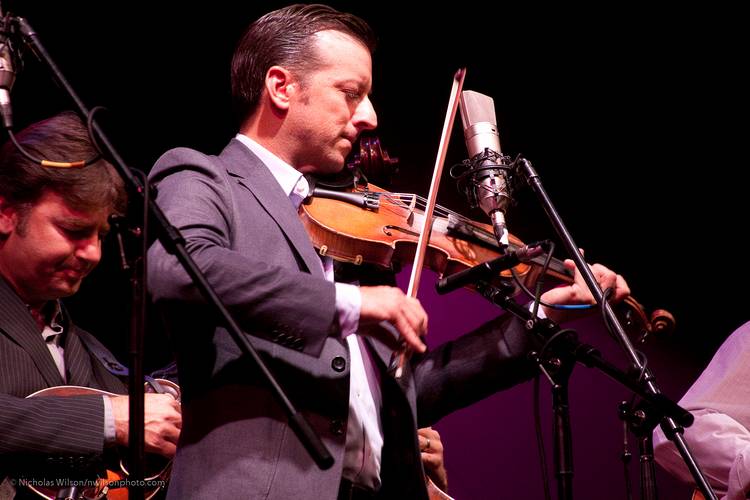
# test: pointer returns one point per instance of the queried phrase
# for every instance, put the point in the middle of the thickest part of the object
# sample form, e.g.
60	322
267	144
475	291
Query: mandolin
112	484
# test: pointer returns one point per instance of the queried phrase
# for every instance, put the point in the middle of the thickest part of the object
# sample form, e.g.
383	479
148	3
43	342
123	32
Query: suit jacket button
337	427
338	364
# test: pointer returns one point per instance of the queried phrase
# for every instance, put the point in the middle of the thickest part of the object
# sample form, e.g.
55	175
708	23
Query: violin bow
424	235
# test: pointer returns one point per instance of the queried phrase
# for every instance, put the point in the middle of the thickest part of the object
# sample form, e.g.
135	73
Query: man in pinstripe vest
52	221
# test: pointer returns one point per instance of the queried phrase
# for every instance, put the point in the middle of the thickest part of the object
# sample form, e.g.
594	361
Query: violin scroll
634	319
662	321
373	161
369	162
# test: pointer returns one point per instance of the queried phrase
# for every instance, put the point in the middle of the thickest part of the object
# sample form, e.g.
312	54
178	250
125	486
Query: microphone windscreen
476	107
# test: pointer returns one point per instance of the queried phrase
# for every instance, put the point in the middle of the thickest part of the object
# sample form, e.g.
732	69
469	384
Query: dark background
634	118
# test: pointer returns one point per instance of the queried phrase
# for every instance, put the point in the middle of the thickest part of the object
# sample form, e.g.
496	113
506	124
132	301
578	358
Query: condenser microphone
487	186
7	76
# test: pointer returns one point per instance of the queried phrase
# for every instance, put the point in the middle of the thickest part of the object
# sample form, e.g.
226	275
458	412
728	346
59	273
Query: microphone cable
64	164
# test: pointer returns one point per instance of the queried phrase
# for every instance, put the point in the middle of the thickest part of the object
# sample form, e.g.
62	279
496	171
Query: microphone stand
174	243
558	369
136	389
559	349
69	493
648	471
671	429
642	423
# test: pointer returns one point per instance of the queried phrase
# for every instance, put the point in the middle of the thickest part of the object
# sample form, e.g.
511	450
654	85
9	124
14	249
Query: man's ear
280	86
8	217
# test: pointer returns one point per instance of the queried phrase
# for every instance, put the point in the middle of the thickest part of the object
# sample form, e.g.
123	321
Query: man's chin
64	289
326	167
332	166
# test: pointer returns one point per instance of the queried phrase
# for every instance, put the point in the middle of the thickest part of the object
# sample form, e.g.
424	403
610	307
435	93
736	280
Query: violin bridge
412	206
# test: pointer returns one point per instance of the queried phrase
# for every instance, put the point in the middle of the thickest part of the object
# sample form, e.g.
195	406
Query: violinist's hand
387	303
578	292
162	418
431	448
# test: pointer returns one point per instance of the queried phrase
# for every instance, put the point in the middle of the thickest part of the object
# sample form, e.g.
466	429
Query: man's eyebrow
360	84
72	221
76	223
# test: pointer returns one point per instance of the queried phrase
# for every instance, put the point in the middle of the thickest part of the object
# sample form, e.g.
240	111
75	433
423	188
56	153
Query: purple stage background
491	449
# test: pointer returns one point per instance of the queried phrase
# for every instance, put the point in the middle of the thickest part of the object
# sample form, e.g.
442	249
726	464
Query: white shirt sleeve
719	444
348	305
109	422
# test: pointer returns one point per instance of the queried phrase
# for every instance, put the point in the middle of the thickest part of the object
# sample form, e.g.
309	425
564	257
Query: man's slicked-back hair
282	38
63	137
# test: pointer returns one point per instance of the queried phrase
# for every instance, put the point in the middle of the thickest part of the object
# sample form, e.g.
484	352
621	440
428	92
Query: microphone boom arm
526	171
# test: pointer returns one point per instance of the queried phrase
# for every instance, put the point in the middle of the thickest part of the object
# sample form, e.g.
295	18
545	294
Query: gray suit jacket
245	235
38	429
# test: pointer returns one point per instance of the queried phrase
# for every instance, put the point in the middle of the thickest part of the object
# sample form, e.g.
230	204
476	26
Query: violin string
398	199
411	201
444	211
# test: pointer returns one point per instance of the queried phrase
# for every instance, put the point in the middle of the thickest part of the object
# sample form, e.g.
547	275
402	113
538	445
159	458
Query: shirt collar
56	315
52	319
289	178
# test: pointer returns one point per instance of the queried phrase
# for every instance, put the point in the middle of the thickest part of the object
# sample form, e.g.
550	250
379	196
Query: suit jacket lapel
382	351
385	360
84	367
16	321
253	175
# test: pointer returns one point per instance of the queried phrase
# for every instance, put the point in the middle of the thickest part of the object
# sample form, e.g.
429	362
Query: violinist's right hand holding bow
387	303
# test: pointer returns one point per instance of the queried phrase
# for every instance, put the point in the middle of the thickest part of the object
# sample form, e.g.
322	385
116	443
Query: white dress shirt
51	334
364	433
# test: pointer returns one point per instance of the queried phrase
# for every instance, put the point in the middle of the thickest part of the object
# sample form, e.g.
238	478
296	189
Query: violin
353	220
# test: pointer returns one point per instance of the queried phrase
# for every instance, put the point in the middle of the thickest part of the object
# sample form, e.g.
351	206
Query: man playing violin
301	78
52	221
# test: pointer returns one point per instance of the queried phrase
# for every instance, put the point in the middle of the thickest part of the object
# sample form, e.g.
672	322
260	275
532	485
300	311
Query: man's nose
365	117
90	249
